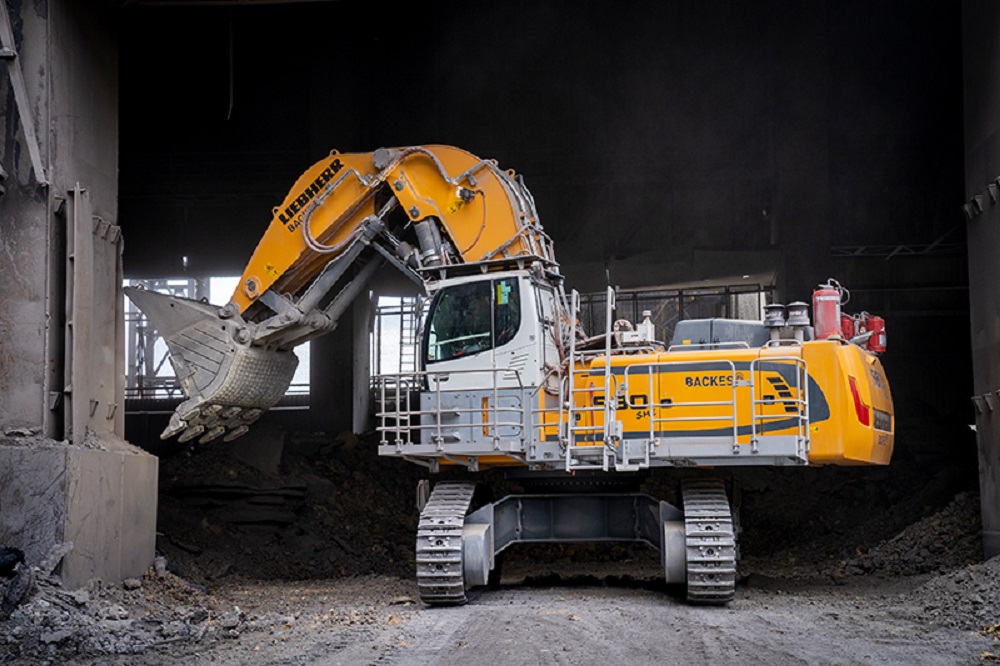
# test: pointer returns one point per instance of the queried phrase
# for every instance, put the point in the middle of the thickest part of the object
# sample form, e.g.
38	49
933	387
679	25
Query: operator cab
486	331
472	318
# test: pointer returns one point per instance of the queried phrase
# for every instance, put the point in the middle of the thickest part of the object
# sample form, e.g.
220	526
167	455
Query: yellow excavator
508	378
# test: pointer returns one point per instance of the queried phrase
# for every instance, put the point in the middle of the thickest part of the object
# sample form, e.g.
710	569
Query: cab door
482	333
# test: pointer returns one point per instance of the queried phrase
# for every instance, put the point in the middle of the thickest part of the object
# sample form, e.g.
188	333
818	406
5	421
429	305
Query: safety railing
401	416
781	405
705	411
795	405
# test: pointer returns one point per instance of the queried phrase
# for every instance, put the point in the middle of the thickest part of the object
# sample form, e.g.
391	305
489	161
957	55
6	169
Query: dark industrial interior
677	143
667	144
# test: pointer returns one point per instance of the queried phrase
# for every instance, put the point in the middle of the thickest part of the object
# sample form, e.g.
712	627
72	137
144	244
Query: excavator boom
481	212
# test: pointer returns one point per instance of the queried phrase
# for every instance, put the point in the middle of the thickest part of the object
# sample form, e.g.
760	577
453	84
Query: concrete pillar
66	474
24	214
981	45
364	314
331	378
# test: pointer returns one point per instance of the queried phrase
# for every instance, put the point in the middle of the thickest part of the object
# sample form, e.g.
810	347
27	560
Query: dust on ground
311	563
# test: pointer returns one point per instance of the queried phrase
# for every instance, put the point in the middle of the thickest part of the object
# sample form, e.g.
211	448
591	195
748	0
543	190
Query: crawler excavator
508	379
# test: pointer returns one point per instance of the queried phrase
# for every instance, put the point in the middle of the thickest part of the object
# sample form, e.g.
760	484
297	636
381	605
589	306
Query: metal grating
668	306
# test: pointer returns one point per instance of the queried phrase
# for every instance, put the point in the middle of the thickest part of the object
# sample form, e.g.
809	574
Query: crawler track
440	576
710	542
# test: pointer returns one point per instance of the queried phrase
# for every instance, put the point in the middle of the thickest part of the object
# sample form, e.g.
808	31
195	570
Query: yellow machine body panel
834	393
861	426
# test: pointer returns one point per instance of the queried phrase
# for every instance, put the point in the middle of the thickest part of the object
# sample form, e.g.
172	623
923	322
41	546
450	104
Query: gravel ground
967	598
374	620
311	565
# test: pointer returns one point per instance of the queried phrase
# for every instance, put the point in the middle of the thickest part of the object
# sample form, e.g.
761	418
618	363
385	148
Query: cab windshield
471	318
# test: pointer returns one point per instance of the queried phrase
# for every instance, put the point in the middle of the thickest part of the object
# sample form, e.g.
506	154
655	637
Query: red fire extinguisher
876	343
826	309
847	325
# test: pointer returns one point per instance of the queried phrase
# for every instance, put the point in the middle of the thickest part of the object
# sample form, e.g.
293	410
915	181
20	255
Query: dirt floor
307	559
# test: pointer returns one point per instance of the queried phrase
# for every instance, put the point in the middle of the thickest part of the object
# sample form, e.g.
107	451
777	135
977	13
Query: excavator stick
228	381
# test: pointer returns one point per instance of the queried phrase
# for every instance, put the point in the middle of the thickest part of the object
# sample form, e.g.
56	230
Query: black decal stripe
768	427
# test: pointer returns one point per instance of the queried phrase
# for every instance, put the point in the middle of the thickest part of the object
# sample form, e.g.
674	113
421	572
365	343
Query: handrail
801	403
398	386
655	401
741	413
732	344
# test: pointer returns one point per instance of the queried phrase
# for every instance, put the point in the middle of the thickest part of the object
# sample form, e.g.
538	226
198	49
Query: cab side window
471	318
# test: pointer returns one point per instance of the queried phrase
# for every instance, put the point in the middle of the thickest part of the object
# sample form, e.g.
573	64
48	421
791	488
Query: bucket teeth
191	433
229	383
238	431
176	426
212	435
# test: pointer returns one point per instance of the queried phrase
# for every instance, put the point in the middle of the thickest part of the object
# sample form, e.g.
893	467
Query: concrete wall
61	361
67	57
103	502
981	32
111	514
32	513
24	229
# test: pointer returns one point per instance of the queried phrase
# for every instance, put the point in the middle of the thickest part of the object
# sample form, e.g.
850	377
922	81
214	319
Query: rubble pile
967	599
948	540
154	614
943	541
104	618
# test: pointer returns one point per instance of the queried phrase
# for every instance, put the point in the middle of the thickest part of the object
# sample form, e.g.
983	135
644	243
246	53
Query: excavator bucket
227	380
